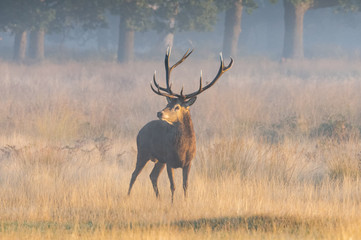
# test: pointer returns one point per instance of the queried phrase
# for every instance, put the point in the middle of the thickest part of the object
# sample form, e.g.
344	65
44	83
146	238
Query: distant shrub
335	128
277	132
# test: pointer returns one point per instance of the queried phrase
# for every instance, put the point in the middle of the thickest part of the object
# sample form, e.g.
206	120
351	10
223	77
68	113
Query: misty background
332	30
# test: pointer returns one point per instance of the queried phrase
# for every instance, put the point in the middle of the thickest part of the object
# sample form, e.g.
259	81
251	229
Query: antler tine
182	59
168	69
181	92
156	84
222	69
164	94
229	65
221	58
200	81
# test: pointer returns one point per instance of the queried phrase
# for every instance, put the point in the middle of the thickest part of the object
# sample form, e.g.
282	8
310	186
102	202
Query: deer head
178	104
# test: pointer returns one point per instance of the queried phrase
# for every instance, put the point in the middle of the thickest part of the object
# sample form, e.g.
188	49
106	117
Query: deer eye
176	108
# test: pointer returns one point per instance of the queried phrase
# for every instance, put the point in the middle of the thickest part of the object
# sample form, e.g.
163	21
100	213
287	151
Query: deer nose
159	114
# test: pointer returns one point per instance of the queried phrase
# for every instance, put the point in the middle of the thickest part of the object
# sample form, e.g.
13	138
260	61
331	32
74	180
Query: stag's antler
167	92
222	69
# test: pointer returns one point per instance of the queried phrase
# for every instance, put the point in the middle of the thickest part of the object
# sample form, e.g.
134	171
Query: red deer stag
170	140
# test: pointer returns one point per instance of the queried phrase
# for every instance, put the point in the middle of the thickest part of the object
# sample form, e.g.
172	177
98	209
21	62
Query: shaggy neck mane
186	125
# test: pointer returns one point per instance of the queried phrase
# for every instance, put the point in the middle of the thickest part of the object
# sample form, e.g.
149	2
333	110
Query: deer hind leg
171	180
154	175
186	170
141	161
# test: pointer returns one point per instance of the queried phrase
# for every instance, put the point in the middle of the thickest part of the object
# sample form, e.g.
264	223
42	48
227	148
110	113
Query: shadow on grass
255	223
258	223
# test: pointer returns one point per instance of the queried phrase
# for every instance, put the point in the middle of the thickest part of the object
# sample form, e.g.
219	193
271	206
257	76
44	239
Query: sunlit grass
278	152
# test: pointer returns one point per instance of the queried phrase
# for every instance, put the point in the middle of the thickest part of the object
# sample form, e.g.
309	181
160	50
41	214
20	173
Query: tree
134	15
173	16
42	16
232	23
232	28
86	14
83	15
350	5
293	18
23	16
20	40
13	19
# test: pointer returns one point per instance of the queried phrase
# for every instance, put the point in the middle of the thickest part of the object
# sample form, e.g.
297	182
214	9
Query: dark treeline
30	22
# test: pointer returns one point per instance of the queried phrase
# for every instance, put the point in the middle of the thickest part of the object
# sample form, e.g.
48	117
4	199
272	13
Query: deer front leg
154	175
186	170
171	180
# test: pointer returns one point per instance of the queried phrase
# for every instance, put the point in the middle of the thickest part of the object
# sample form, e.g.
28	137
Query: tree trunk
168	41
125	42
20	46
36	44
232	29
293	36
169	37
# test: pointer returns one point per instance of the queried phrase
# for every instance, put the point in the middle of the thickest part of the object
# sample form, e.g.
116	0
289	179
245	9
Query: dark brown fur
169	142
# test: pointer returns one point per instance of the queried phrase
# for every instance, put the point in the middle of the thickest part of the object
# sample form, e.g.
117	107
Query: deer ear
190	101
168	99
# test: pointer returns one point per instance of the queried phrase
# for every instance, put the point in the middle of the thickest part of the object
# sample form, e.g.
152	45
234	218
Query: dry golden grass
278	152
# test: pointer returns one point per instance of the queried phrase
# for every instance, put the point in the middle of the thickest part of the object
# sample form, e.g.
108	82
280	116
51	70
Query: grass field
278	152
